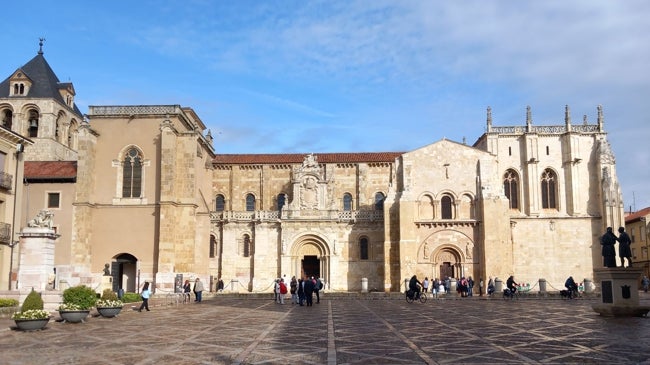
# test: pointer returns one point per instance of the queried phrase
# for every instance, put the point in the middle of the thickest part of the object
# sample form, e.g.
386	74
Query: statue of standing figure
608	240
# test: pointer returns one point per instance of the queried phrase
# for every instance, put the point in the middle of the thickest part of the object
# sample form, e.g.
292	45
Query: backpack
283	288
320	285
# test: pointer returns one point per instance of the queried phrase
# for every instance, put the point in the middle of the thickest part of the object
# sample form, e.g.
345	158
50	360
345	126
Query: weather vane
40	45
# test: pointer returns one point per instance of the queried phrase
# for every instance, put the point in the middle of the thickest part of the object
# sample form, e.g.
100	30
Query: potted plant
31	316
77	301
109	305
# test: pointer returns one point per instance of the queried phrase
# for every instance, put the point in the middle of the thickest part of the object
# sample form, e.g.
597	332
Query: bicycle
510	294
411	297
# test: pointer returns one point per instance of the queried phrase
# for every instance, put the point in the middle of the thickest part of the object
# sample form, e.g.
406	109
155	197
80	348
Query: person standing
425	284
318	285
283	290
309	291
187	288
146	293
301	291
293	289
608	240
624	251
198	290
481	285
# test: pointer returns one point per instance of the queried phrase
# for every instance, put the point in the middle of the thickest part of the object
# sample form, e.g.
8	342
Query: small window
282	199
446	207
220	203
250	202
547	151
379	201
347	202
363	248
53	200
509	151
247	246
213	246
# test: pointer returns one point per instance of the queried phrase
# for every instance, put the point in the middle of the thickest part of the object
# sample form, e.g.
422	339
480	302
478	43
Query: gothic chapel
140	187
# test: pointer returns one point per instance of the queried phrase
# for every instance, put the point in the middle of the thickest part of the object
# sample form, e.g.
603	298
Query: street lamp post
647	254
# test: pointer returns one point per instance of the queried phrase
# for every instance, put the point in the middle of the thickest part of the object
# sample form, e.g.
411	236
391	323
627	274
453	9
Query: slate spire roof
45	83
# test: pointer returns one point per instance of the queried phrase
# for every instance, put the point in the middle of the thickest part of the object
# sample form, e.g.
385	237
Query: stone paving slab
235	330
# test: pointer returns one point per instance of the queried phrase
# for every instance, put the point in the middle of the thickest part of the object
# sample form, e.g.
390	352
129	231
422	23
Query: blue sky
348	76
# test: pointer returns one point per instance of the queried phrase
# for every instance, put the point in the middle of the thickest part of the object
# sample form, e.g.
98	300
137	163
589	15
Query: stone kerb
36	258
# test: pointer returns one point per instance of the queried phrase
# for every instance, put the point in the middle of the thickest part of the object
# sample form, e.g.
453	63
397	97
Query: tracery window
549	189
132	174
511	188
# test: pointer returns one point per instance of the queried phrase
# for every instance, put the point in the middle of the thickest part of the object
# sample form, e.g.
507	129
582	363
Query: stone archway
124	271
310	255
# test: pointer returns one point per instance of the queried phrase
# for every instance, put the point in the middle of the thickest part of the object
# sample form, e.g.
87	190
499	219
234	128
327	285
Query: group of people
464	286
608	240
302	290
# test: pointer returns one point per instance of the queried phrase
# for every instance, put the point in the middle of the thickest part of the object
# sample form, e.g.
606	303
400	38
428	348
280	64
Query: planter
74	316
109	312
31	324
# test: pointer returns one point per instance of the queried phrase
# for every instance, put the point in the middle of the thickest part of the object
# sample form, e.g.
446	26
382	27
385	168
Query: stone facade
151	198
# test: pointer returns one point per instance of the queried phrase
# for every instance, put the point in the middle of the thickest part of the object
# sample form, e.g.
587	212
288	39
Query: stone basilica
141	188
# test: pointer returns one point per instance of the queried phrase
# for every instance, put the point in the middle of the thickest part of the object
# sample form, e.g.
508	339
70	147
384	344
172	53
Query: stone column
36	265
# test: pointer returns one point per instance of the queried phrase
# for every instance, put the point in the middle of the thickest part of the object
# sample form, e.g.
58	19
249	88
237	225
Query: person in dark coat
309	291
608	240
624	251
301	292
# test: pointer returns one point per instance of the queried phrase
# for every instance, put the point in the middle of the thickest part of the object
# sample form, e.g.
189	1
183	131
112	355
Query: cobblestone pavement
230	330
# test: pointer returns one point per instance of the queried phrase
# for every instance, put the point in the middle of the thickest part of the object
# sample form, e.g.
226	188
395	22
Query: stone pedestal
36	265
619	292
107	283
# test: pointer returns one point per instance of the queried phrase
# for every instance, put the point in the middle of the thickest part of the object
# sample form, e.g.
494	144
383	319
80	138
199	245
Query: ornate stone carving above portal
311	190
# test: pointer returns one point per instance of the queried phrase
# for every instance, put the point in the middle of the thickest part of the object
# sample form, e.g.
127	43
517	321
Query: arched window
379	201
426	207
347	202
247	246
132	174
549	188
363	248
446	207
220	203
213	246
250	202
282	199
32	127
511	188
72	134
7	117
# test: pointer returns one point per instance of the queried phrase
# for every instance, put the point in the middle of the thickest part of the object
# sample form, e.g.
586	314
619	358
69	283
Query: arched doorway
448	261
124	270
310	257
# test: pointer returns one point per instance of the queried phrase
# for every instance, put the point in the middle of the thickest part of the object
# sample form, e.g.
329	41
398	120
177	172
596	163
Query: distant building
637	226
140	187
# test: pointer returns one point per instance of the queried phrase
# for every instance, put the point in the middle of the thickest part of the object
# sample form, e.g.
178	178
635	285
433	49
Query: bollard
364	285
406	285
452	285
542	286
498	285
234	285
589	286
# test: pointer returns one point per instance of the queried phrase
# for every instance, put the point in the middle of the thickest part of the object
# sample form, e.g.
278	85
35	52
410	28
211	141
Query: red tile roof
296	158
634	216
46	170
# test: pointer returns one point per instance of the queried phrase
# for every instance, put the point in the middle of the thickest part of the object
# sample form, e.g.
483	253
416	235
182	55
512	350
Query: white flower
31	314
107	303
69	307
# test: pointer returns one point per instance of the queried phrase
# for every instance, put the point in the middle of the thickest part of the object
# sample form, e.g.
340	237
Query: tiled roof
50	170
634	216
296	158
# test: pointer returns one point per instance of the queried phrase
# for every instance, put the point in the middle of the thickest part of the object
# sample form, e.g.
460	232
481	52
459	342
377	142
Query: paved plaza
229	329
